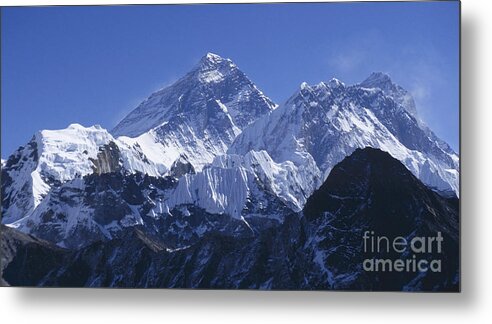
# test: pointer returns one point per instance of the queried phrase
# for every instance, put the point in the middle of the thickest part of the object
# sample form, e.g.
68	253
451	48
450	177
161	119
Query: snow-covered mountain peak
304	86
330	120
335	83
213	59
199	115
53	157
401	96
379	80
213	82
77	126
213	68
325	88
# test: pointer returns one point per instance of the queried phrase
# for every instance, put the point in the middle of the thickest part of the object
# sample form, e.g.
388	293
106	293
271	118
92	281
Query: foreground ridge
319	248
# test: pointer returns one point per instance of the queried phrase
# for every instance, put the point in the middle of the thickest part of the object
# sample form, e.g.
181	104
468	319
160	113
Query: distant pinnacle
211	59
335	83
377	80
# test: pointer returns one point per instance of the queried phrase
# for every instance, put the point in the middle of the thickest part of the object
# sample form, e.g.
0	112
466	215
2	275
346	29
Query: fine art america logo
412	252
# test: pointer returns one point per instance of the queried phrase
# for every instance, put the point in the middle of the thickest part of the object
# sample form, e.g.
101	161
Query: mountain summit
214	80
329	120
383	81
378	80
211	60
198	116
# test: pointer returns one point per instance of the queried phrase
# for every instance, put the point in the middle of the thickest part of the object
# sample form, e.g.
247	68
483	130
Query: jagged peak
379	76
383	82
335	83
380	80
304	86
212	60
212	68
212	57
332	83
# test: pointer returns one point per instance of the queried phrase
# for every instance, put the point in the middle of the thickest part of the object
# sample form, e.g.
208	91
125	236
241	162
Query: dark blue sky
92	65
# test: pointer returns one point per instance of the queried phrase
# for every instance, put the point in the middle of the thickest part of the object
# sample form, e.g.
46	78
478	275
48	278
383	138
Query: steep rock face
330	120
108	159
198	116
20	195
181	167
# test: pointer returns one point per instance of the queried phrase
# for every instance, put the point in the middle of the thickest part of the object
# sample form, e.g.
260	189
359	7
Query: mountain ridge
217	158
350	117
311	251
